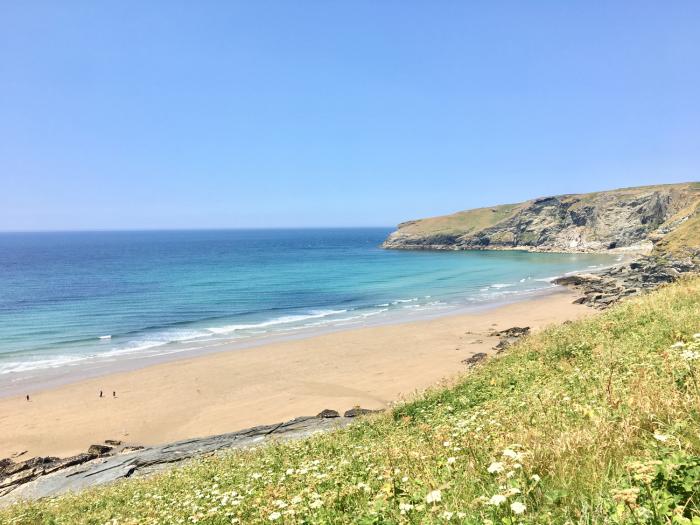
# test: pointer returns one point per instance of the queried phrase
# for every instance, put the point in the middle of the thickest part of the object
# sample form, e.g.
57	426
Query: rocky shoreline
645	273
42	477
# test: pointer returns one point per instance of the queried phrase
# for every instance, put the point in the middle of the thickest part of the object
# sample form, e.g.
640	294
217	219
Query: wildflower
679	344
497	499
661	437
256	475
689	355
450	461
513	491
535	478
643	472
446	444
517	507
447	515
296	500
696	336
512	454
405	507
495	467
626	496
274	516
280	504
434	496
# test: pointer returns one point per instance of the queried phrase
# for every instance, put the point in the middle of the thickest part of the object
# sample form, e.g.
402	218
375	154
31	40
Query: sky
150	115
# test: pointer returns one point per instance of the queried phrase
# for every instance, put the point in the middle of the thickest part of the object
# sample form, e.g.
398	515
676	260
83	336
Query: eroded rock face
596	222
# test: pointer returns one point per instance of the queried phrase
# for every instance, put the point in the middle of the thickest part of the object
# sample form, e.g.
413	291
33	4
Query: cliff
630	219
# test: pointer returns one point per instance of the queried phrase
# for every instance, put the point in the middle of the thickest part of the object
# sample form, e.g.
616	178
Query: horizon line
223	228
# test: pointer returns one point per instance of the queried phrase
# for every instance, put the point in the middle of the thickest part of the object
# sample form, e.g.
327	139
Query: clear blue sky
324	113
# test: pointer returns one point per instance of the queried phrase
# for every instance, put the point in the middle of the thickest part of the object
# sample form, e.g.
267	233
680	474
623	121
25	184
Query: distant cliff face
627	219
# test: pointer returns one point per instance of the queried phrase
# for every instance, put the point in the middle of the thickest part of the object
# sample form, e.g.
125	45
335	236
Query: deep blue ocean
68	299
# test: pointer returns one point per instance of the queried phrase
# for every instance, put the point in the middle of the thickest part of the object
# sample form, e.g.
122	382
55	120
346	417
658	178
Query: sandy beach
222	392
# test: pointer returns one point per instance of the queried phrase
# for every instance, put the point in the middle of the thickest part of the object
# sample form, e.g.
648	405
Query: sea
87	302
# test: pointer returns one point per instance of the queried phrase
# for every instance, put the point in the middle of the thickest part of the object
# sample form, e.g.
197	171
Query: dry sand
231	390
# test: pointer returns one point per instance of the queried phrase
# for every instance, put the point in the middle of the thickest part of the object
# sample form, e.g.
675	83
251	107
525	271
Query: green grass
594	421
685	237
462	222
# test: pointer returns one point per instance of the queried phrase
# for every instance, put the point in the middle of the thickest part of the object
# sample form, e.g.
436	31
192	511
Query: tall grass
595	421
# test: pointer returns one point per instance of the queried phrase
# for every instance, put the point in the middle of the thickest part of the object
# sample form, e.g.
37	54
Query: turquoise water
71	299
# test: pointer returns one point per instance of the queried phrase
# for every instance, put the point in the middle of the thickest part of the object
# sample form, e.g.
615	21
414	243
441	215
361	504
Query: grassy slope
686	236
576	405
463	221
471	221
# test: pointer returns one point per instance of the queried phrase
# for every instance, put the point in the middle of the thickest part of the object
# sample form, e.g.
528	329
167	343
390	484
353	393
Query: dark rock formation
99	450
510	336
328	413
607	287
474	359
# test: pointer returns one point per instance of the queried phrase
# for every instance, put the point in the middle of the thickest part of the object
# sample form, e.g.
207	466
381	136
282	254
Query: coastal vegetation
594	421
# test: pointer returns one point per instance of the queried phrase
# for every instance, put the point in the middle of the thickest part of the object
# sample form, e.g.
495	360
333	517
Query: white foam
399	301
154	340
287	319
26	366
105	337
501	285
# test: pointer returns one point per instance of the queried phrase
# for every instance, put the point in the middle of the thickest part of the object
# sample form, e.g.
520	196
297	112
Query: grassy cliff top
594	421
470	221
463	221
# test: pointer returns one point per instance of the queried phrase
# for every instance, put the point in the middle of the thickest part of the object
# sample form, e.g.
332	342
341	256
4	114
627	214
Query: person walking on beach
27	397
100	393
